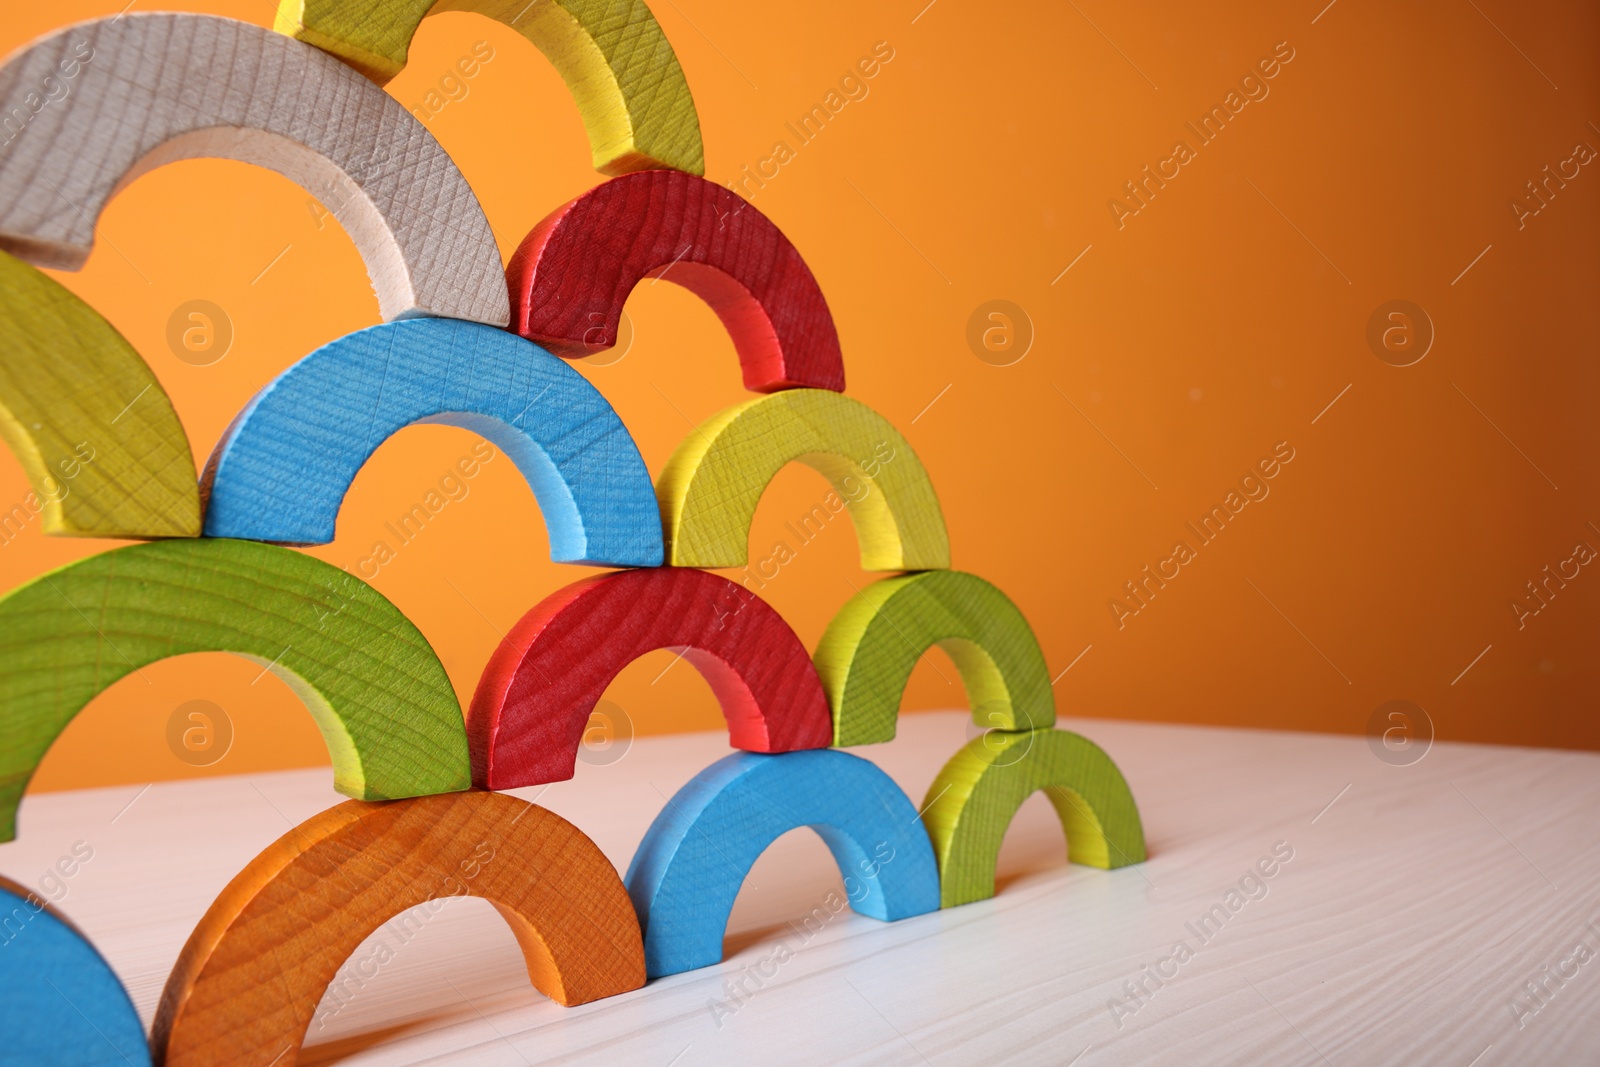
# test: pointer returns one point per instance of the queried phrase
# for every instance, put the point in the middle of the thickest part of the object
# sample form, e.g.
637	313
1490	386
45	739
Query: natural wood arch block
95	432
282	469
612	54
693	859
60	1002
532	704
710	487
151	89
247	983
370	680
975	795
867	653
574	271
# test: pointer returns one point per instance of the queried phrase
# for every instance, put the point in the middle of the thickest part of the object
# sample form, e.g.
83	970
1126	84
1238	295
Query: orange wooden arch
248	981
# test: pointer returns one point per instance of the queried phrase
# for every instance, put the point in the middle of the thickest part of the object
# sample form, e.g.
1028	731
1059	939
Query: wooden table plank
1418	902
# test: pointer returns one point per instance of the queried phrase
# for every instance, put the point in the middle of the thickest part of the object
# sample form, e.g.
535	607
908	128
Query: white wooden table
1418	903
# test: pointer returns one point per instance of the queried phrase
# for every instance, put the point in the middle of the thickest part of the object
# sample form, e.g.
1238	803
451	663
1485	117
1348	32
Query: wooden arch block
370	680
247	984
867	653
145	90
282	469
574	271
60	1002
693	859
95	432
621	71
710	487
532	704
975	795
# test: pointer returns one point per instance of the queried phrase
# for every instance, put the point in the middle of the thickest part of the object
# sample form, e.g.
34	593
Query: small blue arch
281	471
693	859
60	1003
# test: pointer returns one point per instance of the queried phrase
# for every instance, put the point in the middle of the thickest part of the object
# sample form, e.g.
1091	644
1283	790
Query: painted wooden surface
60	1003
711	485
975	796
378	693
533	700
91	426
1414	910
282	469
247	985
150	89
574	271
612	54
695	856
867	653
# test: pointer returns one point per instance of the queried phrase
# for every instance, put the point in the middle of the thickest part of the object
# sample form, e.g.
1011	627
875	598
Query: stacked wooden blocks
215	575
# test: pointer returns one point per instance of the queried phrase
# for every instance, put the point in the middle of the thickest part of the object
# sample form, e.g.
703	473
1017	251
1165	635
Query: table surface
1418	904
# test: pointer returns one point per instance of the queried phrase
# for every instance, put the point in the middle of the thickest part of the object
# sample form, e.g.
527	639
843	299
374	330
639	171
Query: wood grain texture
60	1003
91	426
694	858
867	653
248	982
574	271
971	802
151	89
370	680
1395	937
282	469
709	489
621	71
532	704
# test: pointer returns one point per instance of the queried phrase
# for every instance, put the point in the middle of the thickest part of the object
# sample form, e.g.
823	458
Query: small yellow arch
710	487
622	72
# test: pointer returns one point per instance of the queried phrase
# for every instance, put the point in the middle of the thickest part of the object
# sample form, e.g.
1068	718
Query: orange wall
1183	346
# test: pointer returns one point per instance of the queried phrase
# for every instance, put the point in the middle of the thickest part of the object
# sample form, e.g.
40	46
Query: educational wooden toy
693	859
972	800
284	466
152	89
107	456
612	54
60	1003
527	718
367	676
866	655
246	986
711	486
574	271
91	426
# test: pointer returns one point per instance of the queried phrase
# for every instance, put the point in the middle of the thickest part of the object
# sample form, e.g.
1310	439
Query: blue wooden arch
60	1002
281	471
690	865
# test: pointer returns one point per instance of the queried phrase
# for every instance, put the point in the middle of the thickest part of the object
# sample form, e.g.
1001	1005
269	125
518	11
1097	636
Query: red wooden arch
533	702
571	275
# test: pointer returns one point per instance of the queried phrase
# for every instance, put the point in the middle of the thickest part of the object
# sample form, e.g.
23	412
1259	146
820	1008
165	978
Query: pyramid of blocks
470	343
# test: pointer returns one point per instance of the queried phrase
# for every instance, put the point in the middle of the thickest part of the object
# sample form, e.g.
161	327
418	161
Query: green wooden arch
867	653
371	681
976	794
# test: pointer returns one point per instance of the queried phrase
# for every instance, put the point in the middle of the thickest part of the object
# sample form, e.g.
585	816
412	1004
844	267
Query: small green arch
976	794
867	653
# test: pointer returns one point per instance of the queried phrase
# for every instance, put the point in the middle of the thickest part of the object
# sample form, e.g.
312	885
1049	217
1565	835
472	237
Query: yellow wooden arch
612	54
